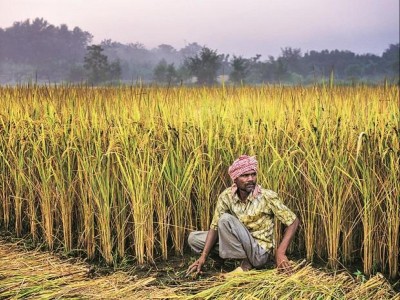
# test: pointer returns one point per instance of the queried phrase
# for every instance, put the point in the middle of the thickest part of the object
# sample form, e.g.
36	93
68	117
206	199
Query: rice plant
117	171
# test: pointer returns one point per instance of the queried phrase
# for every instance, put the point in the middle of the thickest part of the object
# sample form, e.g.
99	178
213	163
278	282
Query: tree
280	69
165	73
391	58
76	73
353	71
204	65
115	70
96	64
97	67
172	76
240	70
291	58
2	48
190	50
47	49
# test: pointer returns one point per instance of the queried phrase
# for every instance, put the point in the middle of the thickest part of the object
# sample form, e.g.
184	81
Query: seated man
243	223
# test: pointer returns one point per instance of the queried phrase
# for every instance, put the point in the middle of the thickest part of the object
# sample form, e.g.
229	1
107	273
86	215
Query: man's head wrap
244	164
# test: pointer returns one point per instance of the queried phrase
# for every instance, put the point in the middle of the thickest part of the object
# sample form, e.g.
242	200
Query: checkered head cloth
242	165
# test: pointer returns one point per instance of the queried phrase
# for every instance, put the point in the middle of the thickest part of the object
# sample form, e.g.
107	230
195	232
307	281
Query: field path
27	274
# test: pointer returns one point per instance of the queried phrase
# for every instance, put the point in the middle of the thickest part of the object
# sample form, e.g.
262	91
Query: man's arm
211	239
282	261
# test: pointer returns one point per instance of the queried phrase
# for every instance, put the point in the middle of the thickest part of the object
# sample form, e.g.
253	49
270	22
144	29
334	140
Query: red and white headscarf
244	164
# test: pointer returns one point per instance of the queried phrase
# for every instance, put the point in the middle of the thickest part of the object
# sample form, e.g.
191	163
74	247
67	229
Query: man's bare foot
246	265
233	273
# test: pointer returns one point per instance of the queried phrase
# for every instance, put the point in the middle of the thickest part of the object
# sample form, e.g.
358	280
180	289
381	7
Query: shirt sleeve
220	209
281	211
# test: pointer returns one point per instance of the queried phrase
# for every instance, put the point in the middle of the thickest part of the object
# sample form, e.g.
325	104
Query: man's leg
197	241
236	242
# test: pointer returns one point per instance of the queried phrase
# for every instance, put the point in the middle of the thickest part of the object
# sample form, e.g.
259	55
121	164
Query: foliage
165	73
97	67
37	50
48	49
240	70
205	66
391	57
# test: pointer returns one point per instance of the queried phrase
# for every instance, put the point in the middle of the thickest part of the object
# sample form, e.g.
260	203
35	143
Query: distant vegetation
40	52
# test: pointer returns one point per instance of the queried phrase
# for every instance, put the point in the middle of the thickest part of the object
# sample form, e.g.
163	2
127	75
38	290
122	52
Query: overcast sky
228	26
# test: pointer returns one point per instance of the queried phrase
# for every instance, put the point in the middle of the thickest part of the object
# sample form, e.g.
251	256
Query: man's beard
249	188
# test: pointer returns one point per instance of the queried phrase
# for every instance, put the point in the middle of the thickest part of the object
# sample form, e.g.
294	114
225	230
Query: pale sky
228	26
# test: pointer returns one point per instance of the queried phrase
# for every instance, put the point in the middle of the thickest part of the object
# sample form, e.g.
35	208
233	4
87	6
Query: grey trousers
234	241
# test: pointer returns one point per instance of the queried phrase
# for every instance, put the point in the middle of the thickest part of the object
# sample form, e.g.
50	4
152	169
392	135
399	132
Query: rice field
117	171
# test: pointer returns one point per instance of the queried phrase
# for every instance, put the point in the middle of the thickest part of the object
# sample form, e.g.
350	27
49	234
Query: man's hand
196	266
282	263
212	236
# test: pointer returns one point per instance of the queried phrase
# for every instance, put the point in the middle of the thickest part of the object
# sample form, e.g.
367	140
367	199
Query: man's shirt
256	213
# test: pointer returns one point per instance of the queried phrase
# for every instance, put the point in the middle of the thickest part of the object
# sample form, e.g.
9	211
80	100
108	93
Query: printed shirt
256	213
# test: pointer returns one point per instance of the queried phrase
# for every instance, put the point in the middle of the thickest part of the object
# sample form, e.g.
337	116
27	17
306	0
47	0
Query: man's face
247	181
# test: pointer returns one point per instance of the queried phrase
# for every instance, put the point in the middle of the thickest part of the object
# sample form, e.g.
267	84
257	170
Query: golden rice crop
131	170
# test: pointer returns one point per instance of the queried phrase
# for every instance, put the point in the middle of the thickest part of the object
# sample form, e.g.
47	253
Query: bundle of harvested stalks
37	275
304	283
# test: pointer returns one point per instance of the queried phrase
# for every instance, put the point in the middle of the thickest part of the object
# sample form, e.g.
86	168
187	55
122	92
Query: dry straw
38	275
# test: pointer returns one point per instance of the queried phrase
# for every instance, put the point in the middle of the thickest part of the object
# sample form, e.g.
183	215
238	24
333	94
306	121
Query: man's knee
225	219
196	240
191	239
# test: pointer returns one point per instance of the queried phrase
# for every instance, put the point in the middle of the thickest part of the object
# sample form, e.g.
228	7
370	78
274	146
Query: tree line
39	51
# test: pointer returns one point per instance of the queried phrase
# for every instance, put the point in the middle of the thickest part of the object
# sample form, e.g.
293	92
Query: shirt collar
256	192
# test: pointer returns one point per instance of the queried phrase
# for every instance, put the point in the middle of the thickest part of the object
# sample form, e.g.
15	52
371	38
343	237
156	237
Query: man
243	223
